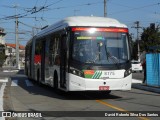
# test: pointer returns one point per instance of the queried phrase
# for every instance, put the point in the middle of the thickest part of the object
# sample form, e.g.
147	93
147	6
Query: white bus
81	54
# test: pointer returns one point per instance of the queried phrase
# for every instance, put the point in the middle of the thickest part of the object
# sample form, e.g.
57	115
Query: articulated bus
81	53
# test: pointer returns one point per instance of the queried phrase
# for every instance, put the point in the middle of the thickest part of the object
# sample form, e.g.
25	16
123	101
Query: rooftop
14	46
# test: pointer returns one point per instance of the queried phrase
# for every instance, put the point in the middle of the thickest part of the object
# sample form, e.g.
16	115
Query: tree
134	50
2	54
150	37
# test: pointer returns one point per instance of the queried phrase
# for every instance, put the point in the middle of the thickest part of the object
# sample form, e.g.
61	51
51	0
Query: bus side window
50	52
38	50
57	51
53	49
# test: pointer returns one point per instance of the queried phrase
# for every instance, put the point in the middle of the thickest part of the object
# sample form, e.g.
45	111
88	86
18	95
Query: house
7	52
10	52
2	34
2	46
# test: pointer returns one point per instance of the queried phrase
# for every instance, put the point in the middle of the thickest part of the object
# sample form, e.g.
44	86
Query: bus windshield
100	47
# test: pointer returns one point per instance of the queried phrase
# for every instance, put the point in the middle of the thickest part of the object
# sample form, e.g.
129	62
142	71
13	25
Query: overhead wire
137	8
78	5
43	8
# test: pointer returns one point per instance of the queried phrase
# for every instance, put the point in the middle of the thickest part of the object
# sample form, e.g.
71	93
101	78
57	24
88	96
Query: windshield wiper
90	61
109	55
98	54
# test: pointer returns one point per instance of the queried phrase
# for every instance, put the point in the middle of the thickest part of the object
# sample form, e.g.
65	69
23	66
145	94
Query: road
21	94
137	75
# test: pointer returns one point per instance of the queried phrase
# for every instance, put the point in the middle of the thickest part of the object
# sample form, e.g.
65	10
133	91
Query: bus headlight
127	72
76	72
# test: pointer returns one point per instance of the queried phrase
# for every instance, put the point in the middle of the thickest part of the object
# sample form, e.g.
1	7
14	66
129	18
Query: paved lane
24	95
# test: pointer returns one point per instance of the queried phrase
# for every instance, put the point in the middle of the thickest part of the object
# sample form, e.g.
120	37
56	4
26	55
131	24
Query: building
7	52
2	34
2	47
10	52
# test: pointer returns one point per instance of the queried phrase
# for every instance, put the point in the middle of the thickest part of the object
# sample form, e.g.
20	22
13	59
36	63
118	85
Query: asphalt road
20	94
138	75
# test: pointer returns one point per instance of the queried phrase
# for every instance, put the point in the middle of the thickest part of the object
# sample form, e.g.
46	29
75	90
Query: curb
3	79
146	88
10	70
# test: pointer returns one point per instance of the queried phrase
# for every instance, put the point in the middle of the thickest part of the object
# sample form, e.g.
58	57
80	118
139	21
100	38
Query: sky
39	13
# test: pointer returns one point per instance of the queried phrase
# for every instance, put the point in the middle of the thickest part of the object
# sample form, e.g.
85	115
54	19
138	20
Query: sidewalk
139	85
10	69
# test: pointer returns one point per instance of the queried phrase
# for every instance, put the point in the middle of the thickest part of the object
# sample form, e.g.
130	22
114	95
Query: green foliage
2	54
135	51
150	37
133	48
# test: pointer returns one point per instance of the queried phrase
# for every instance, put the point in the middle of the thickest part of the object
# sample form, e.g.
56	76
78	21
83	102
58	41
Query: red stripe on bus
125	30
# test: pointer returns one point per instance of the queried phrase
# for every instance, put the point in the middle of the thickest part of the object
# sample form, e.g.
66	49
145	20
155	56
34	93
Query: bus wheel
27	71
38	77
56	90
55	81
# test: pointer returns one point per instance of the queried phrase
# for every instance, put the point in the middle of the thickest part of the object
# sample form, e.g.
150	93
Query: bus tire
26	72
55	81
38	77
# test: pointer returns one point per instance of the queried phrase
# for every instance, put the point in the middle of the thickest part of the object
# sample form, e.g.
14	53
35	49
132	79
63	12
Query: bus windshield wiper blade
108	55
90	61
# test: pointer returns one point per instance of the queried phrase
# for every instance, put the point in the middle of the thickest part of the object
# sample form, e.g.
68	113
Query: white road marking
14	83
3	79
28	83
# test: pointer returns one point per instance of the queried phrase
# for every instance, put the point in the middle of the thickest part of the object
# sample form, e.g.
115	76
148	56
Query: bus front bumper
76	83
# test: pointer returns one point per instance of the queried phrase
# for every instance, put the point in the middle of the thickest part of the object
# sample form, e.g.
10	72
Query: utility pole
137	27
30	27
16	39
105	8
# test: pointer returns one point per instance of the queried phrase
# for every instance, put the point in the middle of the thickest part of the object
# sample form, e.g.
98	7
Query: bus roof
83	21
91	21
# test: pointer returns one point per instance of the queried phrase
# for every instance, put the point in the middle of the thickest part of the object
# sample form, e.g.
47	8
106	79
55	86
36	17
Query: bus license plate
103	87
